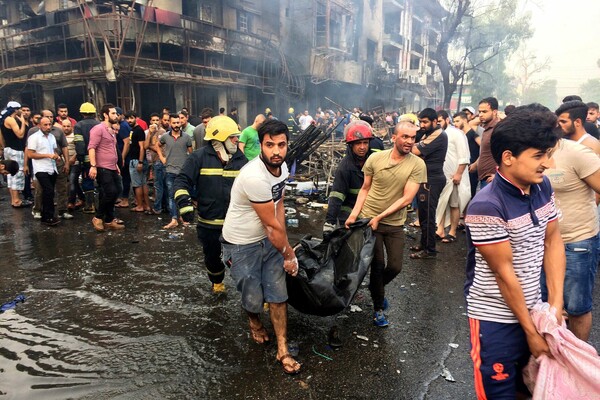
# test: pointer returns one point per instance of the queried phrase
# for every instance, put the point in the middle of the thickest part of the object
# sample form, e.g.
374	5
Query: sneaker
65	215
36	215
114	225
380	320
51	221
98	224
218	288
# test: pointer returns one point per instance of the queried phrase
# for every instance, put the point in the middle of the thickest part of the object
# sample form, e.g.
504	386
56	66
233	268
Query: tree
590	90
527	72
474	33
543	93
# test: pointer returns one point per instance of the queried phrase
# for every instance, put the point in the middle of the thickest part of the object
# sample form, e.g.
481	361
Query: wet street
130	315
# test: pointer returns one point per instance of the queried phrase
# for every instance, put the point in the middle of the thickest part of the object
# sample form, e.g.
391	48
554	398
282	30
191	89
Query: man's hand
66	168
26	169
291	265
374	223
351	219
457	178
93	172
140	166
538	345
473	167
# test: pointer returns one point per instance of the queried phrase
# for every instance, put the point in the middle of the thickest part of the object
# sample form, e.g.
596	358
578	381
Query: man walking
41	148
138	165
249	144
512	233
391	181
255	239
103	167
212	169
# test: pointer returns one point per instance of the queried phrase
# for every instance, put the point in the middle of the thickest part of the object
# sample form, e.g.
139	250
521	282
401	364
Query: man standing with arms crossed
512	232
103	167
255	239
392	179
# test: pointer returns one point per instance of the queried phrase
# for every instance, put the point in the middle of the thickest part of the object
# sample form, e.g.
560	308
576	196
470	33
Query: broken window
3	13
243	21
333	27
206	13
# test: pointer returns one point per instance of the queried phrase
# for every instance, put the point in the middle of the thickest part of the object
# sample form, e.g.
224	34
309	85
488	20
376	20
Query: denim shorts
138	179
582	264
257	270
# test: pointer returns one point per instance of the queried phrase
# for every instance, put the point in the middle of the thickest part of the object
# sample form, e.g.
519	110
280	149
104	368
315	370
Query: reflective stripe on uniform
219	172
181	192
338	195
211	221
354	191
347	209
186	209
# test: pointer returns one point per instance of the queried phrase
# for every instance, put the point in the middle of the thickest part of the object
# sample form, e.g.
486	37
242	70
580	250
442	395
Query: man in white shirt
41	148
305	120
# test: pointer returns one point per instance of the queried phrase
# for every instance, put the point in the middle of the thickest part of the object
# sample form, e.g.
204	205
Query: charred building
249	54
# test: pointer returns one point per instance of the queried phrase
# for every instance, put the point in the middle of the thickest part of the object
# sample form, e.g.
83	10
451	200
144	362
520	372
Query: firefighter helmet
358	130
220	128
291	110
87	108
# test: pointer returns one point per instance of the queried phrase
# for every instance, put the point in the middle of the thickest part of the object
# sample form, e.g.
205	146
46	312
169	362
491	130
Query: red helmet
358	130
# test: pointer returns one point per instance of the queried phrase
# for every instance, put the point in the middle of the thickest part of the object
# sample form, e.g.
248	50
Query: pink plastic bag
573	373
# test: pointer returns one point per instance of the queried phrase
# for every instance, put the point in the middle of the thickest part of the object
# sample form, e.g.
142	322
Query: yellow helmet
291	110
87	108
267	110
220	128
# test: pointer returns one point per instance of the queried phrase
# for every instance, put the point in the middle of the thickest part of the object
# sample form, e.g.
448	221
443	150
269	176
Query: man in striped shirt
512	232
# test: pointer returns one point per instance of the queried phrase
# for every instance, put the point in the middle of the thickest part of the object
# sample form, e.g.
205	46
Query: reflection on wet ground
130	315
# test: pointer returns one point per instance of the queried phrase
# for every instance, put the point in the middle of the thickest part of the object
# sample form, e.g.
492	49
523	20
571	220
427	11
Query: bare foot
171	225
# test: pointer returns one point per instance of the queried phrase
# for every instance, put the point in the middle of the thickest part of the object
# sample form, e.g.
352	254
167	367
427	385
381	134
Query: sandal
414	224
290	368
423	255
416	248
449	239
260	335
438	237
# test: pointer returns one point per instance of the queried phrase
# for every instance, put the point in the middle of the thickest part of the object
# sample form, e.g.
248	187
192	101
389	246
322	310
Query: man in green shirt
249	143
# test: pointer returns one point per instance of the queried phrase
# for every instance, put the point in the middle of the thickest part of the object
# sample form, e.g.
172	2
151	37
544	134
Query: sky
567	32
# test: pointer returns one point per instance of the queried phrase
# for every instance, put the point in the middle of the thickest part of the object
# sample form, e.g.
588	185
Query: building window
415	63
63	4
243	21
3	13
206	13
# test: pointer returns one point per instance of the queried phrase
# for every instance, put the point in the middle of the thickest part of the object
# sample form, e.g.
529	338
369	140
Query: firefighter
82	139
349	176
292	124
212	170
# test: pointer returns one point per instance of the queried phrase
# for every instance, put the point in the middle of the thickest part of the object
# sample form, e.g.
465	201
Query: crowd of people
525	183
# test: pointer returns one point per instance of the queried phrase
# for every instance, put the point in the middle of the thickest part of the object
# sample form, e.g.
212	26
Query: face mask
230	146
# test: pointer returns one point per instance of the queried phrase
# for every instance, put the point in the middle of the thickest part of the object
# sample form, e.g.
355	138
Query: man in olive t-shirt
392	178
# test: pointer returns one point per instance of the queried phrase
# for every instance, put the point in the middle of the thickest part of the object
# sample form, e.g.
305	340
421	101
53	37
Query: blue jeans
257	269
74	186
171	203
159	185
582	264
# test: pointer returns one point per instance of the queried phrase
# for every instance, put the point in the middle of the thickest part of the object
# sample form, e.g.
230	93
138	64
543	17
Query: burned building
249	54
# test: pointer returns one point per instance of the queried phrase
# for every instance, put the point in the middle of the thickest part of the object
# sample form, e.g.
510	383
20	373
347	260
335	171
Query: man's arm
554	267
360	200
458	174
410	191
499	258
241	146
275	228
93	170
11	123
126	142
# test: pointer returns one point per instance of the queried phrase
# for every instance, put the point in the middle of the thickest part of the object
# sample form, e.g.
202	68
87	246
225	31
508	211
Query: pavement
131	315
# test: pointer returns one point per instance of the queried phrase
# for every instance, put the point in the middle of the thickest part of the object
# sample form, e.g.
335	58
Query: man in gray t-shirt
176	148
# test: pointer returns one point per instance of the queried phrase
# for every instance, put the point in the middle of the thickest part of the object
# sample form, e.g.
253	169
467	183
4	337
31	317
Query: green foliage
590	90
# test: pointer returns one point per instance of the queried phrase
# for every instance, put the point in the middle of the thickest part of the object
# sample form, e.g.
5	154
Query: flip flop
134	210
416	248
290	368
438	237
121	206
414	225
423	255
448	239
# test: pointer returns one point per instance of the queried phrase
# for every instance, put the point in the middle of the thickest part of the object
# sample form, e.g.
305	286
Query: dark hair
443	114
221	110
105	109
529	126
130	114
171	116
163	114
571	98
576	109
184	113
461	114
509	109
61	105
168	109
272	127
11	166
233	109
207	113
591	104
492	101
154	115
23	105
428	113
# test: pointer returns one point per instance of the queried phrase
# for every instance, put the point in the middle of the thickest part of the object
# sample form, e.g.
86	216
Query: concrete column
179	93
48	96
222	101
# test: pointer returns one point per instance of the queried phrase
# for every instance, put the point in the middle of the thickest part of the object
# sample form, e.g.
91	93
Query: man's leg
581	325
422	201
211	246
278	313
394	247
159	184
454	220
62	190
435	189
376	284
172	208
46	182
126	185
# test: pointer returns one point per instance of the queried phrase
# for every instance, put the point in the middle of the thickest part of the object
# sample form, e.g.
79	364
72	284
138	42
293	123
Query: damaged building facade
249	54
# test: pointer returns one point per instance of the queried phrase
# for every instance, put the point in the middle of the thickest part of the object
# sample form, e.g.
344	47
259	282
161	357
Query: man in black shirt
461	121
432	148
138	165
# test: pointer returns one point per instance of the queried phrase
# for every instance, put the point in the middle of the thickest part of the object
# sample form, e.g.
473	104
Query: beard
270	162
